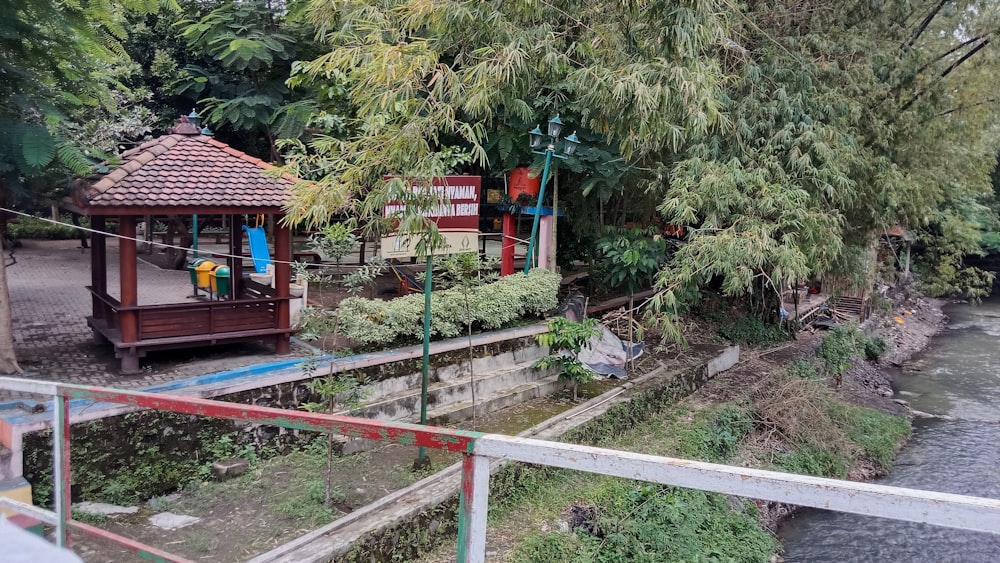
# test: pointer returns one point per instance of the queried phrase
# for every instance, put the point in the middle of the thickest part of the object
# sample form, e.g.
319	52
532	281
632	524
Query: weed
90	518
749	330
881	304
838	347
639	522
874	346
879	434
565	339
812	460
551	547
201	541
715	436
803	368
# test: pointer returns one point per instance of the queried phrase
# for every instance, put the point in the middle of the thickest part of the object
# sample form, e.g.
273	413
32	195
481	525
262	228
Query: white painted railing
478	449
940	509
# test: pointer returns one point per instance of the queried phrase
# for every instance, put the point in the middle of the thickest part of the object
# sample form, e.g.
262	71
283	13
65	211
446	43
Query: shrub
750	330
37	228
838	347
875	346
846	342
565	340
492	306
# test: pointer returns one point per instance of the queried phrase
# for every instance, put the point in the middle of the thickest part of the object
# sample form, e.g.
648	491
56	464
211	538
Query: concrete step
463	410
405	405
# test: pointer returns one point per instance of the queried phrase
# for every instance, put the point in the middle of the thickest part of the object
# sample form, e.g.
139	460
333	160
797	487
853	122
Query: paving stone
171	521
103	508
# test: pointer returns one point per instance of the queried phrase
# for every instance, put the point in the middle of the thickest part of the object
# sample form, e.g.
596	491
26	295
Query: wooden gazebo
185	173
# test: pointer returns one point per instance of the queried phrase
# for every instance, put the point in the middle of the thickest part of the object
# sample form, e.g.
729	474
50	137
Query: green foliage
373	321
133	457
551	547
565	339
631	257
840	124
749	330
879	434
874	347
333	242
839	346
429	82
654	523
34	228
808	459
803	368
236	60
715	435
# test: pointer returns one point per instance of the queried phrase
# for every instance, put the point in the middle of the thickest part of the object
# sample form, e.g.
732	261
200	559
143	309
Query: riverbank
814	405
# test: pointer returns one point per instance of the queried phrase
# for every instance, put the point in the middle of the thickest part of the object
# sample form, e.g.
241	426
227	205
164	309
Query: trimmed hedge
491	306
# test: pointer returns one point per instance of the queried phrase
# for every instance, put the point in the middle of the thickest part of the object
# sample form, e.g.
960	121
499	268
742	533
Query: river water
957	375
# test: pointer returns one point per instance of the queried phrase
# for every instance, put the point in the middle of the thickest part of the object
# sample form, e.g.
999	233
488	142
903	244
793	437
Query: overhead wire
162	244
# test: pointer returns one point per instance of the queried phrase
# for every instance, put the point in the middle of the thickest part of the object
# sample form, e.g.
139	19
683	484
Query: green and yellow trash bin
204	271
220	281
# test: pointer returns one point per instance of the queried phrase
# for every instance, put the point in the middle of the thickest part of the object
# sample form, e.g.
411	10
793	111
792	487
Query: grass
635	521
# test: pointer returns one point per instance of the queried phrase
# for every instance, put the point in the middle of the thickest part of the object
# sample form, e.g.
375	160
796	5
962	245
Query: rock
229	468
171	521
900	402
103	508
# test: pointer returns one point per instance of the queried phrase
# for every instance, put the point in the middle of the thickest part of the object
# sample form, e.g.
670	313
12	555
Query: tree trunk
177	257
555	222
628	356
8	360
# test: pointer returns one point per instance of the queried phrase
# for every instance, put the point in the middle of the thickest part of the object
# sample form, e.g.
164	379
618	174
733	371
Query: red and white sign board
456	215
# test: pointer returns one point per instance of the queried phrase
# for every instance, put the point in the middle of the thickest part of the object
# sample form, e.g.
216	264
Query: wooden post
98	263
282	277
236	249
507	245
129	292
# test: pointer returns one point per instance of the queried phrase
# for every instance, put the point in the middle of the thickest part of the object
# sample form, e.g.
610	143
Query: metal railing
941	509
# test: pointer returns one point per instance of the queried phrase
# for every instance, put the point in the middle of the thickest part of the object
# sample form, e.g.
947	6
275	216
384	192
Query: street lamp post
569	148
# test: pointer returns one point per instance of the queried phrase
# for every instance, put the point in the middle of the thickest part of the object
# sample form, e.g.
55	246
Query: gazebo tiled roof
185	171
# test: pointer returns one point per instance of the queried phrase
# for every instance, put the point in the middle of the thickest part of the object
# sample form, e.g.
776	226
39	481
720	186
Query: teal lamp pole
569	148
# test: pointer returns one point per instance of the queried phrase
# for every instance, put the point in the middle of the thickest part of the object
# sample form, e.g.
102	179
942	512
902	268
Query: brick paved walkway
50	300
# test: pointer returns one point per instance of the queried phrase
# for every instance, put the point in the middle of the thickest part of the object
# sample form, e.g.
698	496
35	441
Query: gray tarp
607	354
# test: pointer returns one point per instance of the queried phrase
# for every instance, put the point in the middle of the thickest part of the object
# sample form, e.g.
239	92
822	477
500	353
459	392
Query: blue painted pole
194	241
533	241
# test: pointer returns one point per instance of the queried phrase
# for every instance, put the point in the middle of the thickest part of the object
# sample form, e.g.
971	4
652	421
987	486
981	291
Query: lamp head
571	144
194	118
535	136
555	127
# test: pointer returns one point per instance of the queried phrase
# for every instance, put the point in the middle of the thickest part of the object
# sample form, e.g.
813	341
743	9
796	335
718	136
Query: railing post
61	475
473	508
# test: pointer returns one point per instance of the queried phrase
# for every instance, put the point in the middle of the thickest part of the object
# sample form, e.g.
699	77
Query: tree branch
945	73
950	51
927	21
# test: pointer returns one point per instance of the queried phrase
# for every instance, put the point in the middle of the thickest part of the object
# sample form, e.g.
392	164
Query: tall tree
240	54
844	119
56	59
429	80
